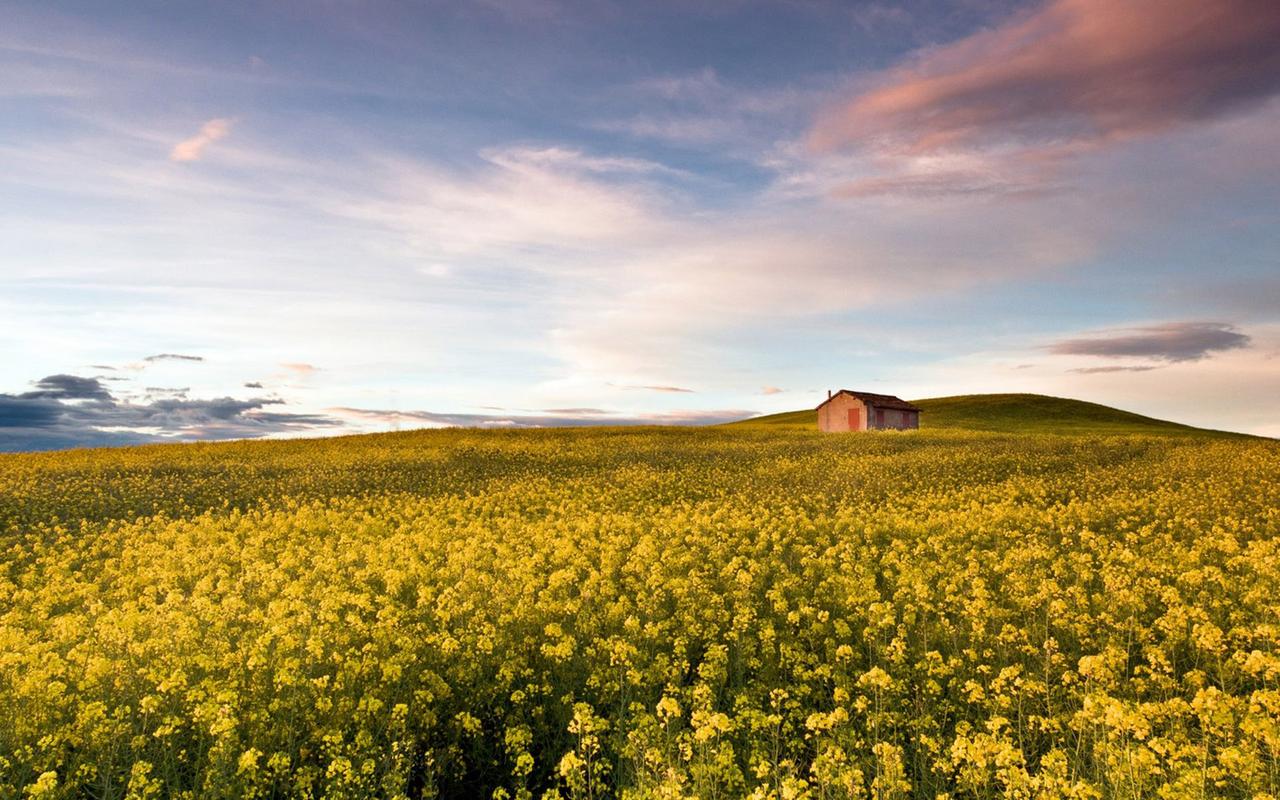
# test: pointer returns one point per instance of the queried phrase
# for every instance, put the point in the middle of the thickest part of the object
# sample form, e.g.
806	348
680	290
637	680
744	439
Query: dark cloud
102	366
69	387
28	412
71	411
546	420
167	390
1083	72
1171	341
253	385
173	357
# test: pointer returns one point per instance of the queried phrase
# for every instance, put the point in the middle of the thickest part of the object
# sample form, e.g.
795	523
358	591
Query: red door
879	417
855	419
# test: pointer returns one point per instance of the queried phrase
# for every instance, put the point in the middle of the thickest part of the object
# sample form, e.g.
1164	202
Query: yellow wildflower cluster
643	613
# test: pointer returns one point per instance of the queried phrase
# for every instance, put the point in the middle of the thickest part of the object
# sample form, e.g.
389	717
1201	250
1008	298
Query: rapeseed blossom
643	613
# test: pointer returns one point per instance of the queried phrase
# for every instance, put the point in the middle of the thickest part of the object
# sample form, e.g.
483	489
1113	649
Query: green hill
1016	413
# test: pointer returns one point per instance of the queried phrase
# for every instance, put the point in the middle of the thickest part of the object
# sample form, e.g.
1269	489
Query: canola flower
643	613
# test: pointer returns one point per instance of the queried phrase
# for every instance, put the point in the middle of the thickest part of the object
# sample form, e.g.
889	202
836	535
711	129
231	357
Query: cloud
28	412
700	111
68	387
566	418
300	369
524	204
698	85
1073	73
876	16
1112	368
71	411
436	270
652	388
1170	342
771	390
253	385
173	357
573	160
944	183
572	251
193	149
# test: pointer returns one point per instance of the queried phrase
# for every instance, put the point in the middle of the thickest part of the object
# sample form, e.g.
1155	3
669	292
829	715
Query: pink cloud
192	149
1074	74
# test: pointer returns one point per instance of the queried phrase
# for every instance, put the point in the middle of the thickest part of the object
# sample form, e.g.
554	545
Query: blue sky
364	216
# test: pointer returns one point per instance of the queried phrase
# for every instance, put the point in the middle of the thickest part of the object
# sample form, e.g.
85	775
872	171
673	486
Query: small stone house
847	410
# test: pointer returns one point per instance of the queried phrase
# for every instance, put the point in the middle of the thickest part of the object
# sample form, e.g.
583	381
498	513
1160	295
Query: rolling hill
1017	413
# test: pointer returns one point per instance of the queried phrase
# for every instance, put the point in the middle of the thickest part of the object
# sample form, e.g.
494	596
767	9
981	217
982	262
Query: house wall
897	419
833	417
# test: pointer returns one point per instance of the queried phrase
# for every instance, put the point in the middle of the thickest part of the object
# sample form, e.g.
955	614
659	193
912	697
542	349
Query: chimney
828	394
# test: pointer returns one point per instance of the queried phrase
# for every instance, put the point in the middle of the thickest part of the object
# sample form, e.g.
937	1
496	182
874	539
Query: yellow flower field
637	613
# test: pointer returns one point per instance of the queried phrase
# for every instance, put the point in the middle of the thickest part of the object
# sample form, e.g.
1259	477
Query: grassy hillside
1016	413
1037	413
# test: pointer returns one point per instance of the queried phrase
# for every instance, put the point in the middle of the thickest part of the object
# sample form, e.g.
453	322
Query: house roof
873	399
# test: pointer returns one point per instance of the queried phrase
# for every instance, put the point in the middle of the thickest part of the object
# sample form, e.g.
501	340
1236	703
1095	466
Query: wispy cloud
941	184
563	418
652	388
173	357
767	390
1112	368
193	149
698	109
1168	342
574	160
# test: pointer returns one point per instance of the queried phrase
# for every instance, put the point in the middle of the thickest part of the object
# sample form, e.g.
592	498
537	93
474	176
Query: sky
292	218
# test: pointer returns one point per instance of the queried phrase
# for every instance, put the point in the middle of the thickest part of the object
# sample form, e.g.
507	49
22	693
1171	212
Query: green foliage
732	612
